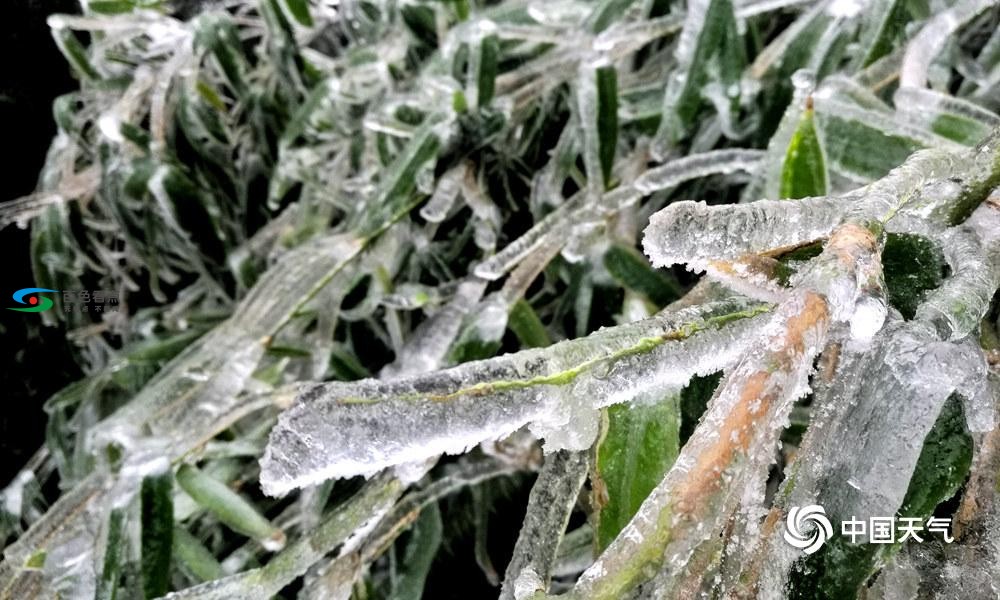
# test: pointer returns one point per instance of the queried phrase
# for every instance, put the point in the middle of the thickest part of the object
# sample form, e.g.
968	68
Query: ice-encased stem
973	252
714	162
733	441
341	572
927	44
414	418
694	232
549	507
929	191
362	510
882	402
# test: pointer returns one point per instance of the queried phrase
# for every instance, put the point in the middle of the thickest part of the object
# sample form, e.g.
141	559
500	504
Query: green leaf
75	53
641	443
524	322
111	7
849	142
107	584
886	23
229	507
804	171
419	19
36	560
417	555
486	69
300	11
607	118
194	558
633	271
943	464
396	188
913	266
157	496
710	47
219	36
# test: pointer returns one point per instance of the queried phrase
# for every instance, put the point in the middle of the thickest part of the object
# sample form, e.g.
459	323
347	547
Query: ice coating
694	232
922	49
897	400
587	113
956	307
428	347
445	194
693	166
549	507
849	275
973	252
346	429
723	459
882	400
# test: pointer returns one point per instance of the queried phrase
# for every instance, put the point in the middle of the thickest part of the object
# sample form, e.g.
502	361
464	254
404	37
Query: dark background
35	361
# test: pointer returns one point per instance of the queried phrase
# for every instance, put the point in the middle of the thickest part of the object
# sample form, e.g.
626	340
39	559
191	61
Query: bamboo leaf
107	584
804	171
641	443
634	271
157	533
229	507
300	10
418	555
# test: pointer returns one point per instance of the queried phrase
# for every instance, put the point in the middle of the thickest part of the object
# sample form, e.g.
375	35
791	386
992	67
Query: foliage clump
351	239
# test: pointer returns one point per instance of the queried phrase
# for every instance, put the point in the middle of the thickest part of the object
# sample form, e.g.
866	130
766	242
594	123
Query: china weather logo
34	302
807	528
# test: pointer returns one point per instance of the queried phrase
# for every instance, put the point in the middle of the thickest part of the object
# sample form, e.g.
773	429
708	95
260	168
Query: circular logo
33	302
807	528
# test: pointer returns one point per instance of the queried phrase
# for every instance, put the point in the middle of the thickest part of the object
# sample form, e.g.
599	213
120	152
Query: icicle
485	212
444	196
428	346
553	226
716	162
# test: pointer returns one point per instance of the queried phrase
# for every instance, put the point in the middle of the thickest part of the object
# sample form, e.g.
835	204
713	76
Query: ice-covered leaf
708	51
409	419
